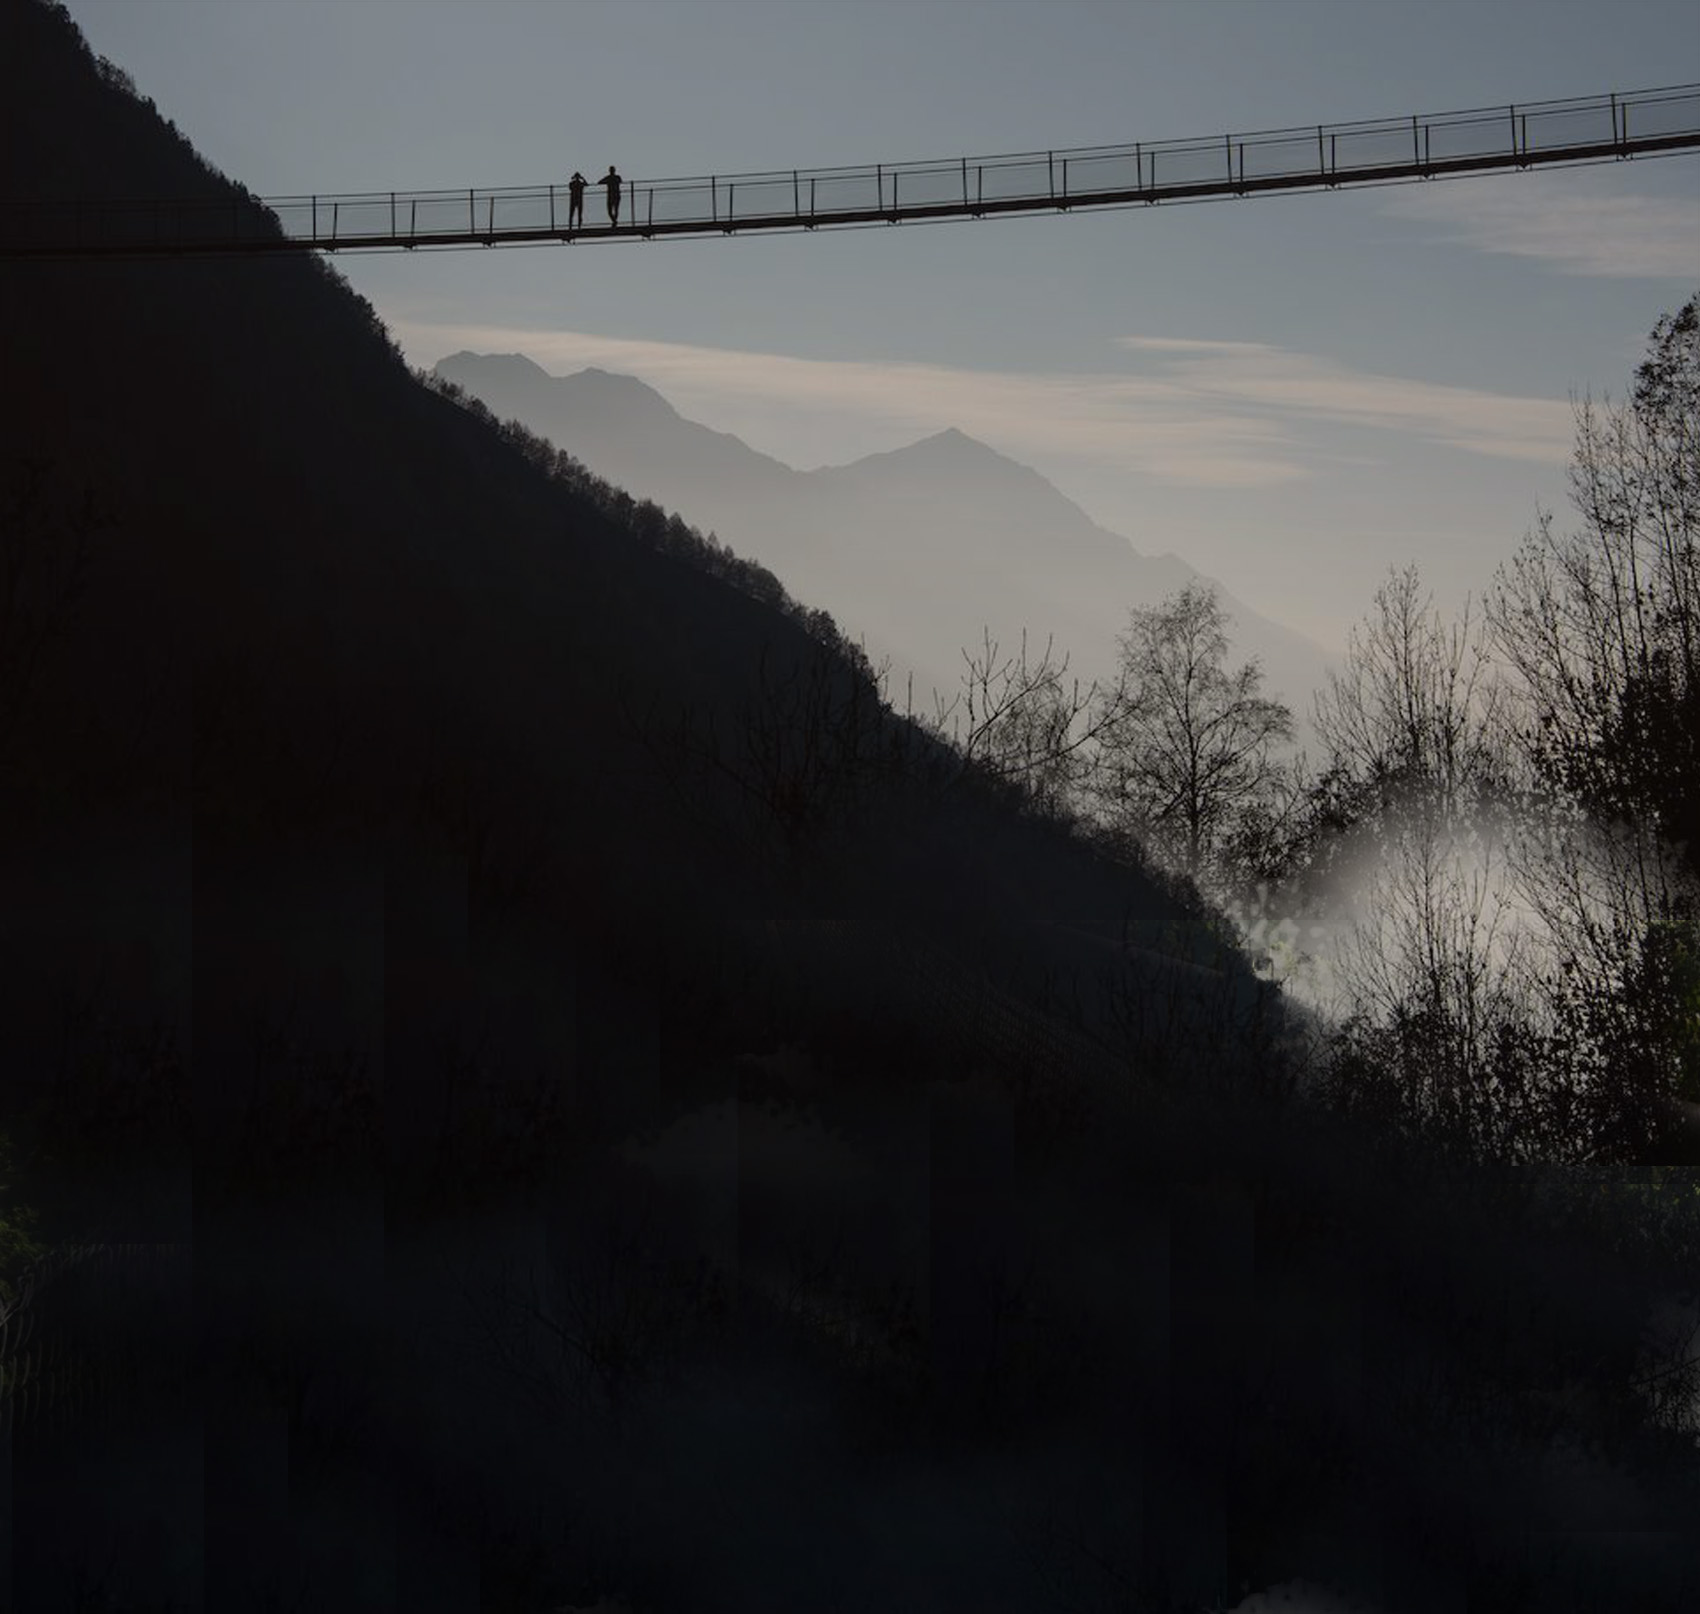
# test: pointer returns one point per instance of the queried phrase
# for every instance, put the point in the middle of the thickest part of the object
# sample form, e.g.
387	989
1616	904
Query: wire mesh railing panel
666	204
359	216
444	215
844	193
1546	128
293	217
1371	146
1650	114
756	197
1089	173
1010	179
931	185
1177	165
1277	156
1480	135
523	210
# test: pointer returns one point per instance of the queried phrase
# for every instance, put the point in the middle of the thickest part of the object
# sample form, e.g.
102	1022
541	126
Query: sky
1292	393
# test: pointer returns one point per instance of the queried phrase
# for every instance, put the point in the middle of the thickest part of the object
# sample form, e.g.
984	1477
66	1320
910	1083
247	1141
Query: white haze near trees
1483	879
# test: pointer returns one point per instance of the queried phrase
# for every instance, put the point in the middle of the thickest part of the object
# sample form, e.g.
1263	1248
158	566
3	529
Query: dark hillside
381	716
337	566
641	1118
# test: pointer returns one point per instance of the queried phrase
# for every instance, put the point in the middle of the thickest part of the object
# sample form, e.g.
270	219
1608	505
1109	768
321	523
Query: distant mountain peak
956	441
605	390
951	447
949	453
513	363
611	383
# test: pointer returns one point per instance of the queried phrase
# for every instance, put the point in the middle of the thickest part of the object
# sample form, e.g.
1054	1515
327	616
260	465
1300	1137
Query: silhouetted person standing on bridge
610	182
575	201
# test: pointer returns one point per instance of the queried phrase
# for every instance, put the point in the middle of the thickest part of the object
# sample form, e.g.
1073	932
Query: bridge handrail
1459	117
1323	154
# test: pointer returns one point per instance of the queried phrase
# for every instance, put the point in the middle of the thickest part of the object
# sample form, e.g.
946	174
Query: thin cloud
1146	426
1297	385
1619	237
1198	413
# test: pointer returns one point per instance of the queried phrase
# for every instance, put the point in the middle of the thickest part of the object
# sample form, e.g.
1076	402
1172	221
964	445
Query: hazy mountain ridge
918	549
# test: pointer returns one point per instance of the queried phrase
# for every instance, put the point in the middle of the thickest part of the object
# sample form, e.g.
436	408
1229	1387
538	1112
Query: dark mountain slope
330	619
300	521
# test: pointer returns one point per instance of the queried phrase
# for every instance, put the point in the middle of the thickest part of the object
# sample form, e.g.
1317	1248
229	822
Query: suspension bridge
1325	156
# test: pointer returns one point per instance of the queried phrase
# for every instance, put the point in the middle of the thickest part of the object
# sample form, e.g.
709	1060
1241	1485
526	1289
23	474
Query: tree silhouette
1026	722
1189	747
1415	710
1603	624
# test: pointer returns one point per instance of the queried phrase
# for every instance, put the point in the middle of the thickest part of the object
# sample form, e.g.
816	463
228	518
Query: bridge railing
1315	155
1322	152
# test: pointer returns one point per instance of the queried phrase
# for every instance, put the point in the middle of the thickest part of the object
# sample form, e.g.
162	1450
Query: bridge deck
1323	156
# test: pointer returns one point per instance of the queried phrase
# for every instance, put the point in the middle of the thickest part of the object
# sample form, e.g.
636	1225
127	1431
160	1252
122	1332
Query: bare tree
1615	924
1436	994
1026	722
1603	624
1602	627
1189	748
1555	1006
1416	711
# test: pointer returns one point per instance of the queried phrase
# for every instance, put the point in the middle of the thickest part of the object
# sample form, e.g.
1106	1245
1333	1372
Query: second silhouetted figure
575	201
610	182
